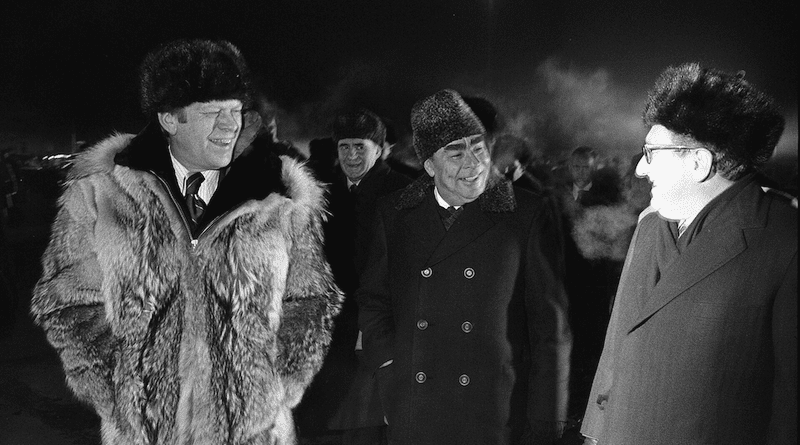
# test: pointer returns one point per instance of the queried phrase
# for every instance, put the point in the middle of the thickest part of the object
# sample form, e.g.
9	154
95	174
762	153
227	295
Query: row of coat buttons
469	273
423	324
463	379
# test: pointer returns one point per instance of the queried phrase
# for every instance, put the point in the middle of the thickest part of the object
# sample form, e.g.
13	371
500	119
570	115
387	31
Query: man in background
343	396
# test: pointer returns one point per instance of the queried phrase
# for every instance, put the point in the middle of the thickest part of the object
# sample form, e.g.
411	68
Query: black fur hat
440	119
360	124
740	124
183	72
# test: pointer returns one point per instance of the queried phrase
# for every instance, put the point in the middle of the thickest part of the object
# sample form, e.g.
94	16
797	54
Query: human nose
471	159
228	121
642	167
352	153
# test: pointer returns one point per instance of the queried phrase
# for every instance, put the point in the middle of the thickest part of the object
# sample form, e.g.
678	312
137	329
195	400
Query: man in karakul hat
463	311
187	292
702	343
343	396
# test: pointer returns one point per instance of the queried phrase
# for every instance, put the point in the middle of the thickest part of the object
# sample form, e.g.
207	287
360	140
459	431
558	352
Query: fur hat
740	124
440	119
183	72
361	124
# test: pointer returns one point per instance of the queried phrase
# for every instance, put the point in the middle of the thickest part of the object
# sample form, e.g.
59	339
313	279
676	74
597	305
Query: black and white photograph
355	222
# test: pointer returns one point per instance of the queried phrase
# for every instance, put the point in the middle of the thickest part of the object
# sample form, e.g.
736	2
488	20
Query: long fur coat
175	341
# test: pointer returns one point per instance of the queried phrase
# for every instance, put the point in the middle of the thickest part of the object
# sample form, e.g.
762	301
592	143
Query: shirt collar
441	200
207	188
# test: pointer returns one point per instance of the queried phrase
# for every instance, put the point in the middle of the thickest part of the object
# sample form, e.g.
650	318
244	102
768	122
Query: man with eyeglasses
461	301
702	344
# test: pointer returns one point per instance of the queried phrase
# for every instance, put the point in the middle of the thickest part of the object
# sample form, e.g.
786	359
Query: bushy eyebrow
216	109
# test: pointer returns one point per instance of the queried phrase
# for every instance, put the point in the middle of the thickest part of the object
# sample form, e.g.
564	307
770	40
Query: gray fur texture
175	344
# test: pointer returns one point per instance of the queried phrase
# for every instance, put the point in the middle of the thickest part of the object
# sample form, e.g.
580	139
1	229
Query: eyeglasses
648	149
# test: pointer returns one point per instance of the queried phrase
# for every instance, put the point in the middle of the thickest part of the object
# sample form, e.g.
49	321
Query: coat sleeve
375	317
310	303
549	332
783	421
593	424
68	303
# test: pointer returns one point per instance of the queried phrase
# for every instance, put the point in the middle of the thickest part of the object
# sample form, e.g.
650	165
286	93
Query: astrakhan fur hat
740	124
360	124
440	119
183	72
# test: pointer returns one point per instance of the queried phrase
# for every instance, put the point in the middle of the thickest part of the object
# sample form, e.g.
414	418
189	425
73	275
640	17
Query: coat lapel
424	227
719	244
470	225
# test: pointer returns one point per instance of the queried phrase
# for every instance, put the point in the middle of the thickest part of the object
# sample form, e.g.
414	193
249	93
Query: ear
703	164
169	122
428	164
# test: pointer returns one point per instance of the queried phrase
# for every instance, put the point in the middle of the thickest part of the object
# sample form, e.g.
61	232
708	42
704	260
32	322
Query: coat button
422	324
463	380
469	273
427	272
421	377
466	327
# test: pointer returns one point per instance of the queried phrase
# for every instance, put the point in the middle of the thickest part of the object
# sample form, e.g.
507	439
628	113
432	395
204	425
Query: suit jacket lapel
706	254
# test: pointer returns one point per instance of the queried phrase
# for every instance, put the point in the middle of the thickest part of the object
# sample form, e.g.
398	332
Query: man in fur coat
188	316
463	311
702	343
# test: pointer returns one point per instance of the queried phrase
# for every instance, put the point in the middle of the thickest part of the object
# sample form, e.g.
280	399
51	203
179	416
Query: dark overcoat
711	356
343	395
474	319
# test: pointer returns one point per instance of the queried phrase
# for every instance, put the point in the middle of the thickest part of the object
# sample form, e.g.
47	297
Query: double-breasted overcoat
473	319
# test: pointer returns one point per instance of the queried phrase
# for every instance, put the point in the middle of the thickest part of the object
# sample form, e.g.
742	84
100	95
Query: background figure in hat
186	314
343	395
702	343
463	311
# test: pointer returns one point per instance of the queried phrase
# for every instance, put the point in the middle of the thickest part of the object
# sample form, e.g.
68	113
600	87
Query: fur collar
498	196
254	176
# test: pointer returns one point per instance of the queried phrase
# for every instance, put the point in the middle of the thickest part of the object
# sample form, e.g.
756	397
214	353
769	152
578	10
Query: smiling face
671	174
460	169
203	134
357	156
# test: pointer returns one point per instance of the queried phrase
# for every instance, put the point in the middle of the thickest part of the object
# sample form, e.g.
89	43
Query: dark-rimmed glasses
648	149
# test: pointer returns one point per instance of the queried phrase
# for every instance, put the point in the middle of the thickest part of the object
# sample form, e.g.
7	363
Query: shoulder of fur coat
301	186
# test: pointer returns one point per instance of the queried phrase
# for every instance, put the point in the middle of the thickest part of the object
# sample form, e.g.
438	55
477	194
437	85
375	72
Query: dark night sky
562	72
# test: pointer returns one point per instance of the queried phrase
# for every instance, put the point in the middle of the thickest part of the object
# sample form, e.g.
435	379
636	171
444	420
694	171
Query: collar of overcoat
720	242
434	243
253	175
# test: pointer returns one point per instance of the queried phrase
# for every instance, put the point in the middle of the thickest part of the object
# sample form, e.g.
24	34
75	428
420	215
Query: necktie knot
194	203
193	183
452	214
353	188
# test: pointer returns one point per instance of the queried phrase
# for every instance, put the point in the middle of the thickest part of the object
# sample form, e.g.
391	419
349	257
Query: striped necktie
194	203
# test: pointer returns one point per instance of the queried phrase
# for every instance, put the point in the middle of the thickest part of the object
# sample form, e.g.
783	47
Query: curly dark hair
738	123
